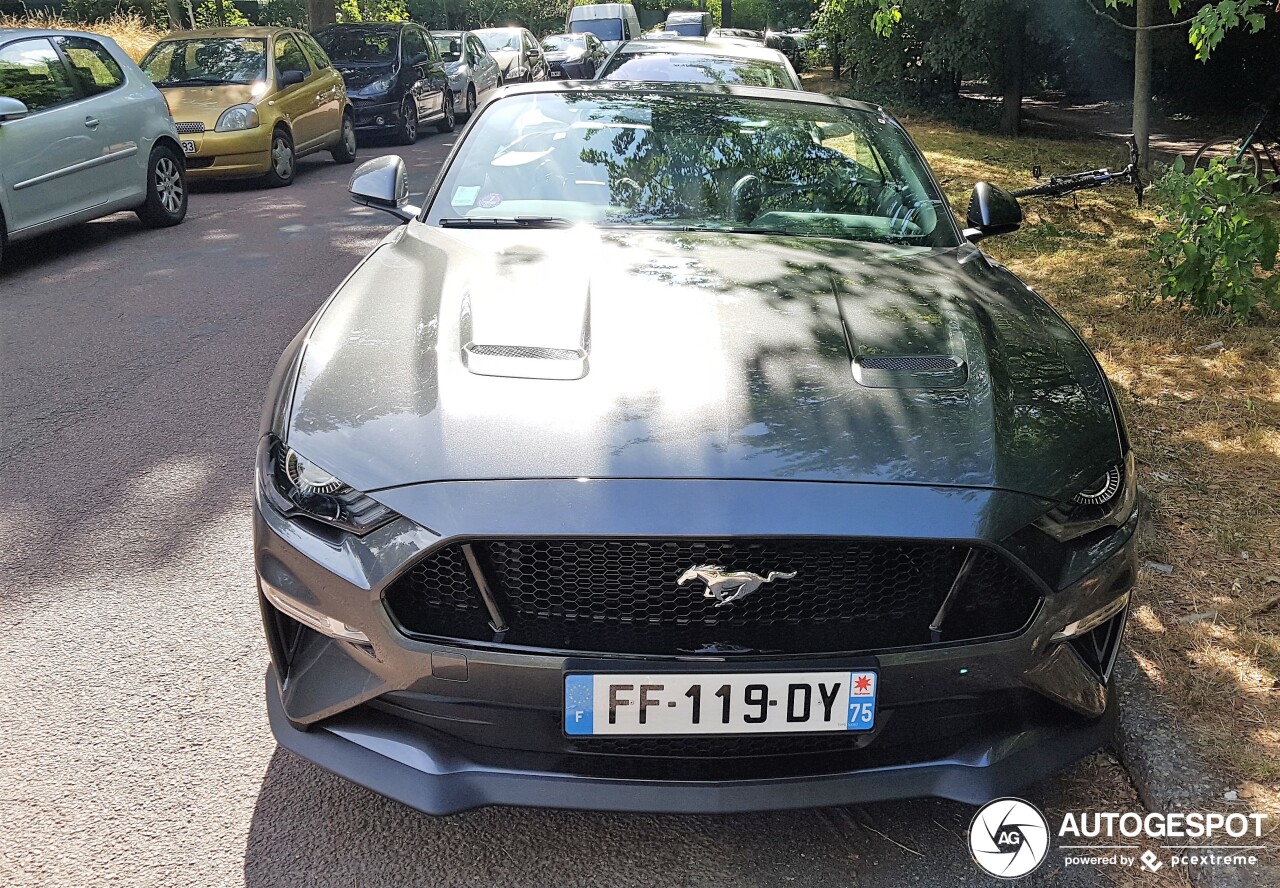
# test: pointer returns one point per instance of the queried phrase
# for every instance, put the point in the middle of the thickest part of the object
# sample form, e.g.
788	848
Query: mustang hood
473	354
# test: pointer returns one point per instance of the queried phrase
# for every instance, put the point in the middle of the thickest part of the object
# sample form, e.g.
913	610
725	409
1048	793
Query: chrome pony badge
726	587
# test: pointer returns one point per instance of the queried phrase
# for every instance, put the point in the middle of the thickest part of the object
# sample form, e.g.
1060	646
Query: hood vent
910	371
910	363
527	352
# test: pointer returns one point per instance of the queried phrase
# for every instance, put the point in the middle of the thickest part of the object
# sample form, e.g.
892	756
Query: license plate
188	146
736	703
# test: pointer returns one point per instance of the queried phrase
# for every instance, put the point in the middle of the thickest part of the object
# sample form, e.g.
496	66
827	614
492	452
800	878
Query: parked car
611	23
789	45
250	101
517	53
709	466
573	56
688	23
395	77
472	72
700	61
744	34
83	134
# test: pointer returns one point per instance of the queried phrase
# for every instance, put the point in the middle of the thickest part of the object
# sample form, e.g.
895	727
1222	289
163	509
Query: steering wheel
745	198
626	192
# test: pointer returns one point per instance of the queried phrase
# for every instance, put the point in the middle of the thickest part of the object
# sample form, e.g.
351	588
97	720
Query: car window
210	61
289	56
700	162
91	64
32	73
497	41
414	45
477	49
605	29
681	67
529	42
360	44
318	55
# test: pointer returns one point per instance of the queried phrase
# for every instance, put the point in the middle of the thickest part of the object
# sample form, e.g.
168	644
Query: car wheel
450	118
471	101
408	132
345	150
284	161
166	202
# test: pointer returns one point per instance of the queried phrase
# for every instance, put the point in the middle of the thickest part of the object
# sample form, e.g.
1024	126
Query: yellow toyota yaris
249	102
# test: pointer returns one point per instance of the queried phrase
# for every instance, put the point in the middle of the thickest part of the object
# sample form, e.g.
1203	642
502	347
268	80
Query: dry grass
130	30
1203	404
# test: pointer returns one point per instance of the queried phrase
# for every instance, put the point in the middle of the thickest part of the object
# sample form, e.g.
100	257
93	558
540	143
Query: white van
612	23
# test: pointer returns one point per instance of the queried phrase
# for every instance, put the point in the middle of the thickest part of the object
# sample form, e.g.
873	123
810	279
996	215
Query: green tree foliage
1218	251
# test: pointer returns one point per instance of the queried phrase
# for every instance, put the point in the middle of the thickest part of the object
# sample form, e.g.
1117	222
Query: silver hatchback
83	133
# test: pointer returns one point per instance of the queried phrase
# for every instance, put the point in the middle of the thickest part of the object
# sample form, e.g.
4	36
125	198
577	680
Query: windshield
450	47
360	45
685	29
685	67
496	41
604	29
207	62
563	43
696	161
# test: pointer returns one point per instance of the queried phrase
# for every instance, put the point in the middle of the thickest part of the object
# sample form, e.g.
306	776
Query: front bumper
446	726
399	760
375	116
235	155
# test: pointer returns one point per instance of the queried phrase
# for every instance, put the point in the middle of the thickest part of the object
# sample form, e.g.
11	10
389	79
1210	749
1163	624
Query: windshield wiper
507	222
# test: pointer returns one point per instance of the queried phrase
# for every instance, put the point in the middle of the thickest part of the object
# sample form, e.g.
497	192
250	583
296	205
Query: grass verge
1203	404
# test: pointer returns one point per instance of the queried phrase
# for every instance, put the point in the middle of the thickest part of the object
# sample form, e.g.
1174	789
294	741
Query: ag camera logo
1008	838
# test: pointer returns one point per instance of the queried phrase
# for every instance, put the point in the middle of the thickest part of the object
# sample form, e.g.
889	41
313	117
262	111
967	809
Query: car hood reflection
703	355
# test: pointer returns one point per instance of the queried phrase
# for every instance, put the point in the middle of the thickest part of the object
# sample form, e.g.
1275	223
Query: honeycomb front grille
190	128
625	596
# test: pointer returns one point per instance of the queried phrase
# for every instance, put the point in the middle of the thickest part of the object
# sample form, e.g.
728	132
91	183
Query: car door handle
91	122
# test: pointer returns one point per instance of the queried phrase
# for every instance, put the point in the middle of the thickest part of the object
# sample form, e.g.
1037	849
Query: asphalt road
134	747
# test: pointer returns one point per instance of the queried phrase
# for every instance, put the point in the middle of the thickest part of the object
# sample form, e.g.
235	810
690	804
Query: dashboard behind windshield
699	161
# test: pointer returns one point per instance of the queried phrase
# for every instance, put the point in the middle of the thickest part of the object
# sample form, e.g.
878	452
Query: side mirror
991	211
383	184
420	59
291	78
11	109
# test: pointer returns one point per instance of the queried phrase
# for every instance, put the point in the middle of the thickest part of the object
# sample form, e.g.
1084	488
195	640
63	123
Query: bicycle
1255	153
1060	186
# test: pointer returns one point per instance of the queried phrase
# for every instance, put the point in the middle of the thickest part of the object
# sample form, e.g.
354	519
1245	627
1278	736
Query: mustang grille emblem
726	587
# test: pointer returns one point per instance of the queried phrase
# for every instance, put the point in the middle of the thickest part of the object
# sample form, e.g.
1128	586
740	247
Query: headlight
1105	502
297	487
378	86
237	117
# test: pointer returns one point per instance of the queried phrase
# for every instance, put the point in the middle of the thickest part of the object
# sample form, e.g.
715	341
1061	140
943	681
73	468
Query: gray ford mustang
683	454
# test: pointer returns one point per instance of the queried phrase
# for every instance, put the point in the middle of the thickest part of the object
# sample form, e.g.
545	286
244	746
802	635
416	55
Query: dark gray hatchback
682	454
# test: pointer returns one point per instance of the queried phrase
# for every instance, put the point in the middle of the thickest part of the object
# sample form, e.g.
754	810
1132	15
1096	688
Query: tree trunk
221	11
177	14
726	13
321	12
1011	104
1142	81
835	60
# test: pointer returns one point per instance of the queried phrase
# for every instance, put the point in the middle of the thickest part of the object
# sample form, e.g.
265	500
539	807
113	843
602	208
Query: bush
1218	251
